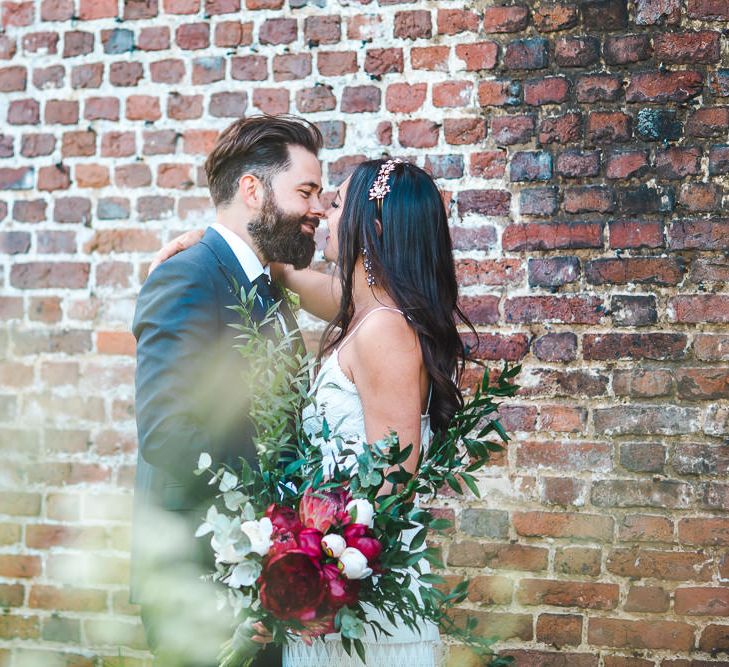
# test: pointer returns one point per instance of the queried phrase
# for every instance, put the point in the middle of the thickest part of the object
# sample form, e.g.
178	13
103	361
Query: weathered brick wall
583	150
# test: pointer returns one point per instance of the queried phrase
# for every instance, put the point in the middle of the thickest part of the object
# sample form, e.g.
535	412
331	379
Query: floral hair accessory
380	187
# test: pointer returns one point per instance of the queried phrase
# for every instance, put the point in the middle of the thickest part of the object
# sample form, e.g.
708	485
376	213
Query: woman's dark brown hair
256	145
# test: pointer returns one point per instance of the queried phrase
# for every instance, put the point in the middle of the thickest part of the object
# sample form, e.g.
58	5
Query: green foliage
290	461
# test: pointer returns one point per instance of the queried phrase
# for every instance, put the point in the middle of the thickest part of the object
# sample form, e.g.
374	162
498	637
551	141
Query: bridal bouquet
301	548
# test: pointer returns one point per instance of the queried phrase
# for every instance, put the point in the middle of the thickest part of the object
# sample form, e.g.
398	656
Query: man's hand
178	244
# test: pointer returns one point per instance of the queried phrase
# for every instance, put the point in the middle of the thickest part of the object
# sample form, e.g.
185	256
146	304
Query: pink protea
324	509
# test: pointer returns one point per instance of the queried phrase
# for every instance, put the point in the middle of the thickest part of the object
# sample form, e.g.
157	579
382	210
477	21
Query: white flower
204	462
230	544
353	564
259	533
363	512
333	545
244	574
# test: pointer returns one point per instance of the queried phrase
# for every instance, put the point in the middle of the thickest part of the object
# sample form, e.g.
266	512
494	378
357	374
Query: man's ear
250	190
378	227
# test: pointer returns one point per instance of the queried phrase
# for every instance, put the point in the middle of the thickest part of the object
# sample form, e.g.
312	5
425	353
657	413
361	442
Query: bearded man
265	180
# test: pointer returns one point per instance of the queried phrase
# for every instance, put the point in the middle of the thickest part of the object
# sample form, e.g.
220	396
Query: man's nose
317	208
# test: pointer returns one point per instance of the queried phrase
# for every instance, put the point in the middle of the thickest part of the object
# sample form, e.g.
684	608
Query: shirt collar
243	253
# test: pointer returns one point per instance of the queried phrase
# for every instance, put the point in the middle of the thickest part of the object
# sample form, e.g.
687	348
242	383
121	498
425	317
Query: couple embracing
392	353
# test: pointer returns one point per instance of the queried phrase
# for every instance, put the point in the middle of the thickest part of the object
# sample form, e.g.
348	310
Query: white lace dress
337	400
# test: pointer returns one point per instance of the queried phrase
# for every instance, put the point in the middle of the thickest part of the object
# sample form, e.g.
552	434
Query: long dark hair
412	259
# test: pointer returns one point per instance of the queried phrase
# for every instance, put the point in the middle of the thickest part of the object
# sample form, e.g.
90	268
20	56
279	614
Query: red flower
283	518
309	540
292	586
360	537
281	542
340	591
324	509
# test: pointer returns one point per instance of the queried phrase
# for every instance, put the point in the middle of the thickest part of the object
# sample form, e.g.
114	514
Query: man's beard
279	237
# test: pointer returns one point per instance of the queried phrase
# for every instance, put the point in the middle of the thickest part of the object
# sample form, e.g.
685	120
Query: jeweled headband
381	187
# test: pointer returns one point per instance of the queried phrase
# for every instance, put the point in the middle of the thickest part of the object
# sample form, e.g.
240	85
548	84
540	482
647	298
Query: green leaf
471	484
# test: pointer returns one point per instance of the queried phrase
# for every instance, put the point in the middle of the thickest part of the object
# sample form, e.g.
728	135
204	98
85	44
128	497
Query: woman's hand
263	634
178	244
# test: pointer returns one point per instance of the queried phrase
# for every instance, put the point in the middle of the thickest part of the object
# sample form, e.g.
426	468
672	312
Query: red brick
91	176
505	19
365	27
134	175
709	531
61	111
101	108
702	601
567	593
647	599
193	36
118	144
143	107
430	58
56	10
278	31
648	634
700	308
17	14
463	131
34	145
125	74
67	599
184	107
555	16
19	566
484	202
571	456
578	560
456	21
478	56
154	39
714	638
404	97
688	47
96	9
657	12
113	240
530	54
496	93
452	94
413	24
563	524
216	7
77	43
549	236
562	129
52	178
577	51
608	126
199	142
289	67
13	79
271	100
335	63
233	33
23	112
379	62
140	9
178	176
661	87
664	565
323	29
549	90
358	99
167	71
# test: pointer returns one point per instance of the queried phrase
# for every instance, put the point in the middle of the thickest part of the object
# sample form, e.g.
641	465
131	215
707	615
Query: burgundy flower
283	518
292	586
324	509
309	540
340	591
281	542
360	537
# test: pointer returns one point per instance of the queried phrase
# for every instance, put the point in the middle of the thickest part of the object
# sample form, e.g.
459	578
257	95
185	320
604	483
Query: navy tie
265	290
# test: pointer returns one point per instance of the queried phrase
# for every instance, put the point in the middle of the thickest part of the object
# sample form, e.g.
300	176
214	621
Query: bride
394	353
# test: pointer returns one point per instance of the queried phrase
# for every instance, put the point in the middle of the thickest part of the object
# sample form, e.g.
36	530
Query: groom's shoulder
194	266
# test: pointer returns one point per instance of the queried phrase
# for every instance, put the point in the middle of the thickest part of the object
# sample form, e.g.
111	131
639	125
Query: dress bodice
337	400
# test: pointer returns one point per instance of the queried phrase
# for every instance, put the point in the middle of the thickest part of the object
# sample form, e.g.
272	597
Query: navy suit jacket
189	391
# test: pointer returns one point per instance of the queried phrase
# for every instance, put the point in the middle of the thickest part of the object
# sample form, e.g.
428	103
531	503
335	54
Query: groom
265	179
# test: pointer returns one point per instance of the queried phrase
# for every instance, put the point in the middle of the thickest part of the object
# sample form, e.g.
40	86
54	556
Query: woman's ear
250	190
378	227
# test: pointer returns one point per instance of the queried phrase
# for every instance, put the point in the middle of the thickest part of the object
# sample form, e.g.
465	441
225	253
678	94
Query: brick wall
583	150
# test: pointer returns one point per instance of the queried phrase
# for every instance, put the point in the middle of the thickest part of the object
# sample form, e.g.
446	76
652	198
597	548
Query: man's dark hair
256	145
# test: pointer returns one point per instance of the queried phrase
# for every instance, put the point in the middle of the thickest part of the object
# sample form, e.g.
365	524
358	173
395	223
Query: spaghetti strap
361	322
430	395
